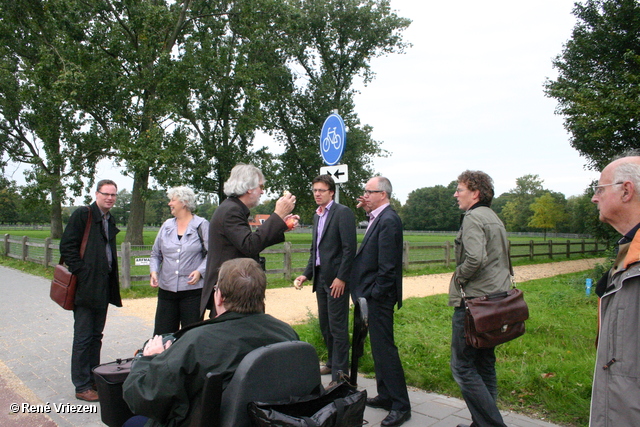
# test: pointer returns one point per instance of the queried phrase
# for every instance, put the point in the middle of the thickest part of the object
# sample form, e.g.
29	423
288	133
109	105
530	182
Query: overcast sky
469	95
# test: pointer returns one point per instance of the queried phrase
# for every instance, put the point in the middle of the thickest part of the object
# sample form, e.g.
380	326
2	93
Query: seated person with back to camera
166	382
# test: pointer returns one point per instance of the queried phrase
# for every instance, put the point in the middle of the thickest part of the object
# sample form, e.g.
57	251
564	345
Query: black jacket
97	287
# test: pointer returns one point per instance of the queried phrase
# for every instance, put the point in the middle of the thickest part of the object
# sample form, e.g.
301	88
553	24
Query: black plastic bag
341	406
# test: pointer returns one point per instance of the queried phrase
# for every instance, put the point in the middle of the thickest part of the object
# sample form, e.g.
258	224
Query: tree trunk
135	225
56	211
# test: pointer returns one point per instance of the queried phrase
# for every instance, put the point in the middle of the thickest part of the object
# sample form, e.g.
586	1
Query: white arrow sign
339	173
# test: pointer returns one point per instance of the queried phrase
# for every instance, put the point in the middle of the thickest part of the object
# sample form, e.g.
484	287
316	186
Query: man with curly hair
482	259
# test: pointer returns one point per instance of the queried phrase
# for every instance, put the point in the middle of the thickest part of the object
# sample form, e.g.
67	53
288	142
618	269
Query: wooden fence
292	259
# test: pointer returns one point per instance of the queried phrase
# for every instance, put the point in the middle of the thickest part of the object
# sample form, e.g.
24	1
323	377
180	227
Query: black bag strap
204	249
85	237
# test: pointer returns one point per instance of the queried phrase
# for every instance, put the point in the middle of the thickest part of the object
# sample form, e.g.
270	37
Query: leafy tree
157	208
122	207
328	43
9	201
432	208
598	80
547	213
38	126
516	212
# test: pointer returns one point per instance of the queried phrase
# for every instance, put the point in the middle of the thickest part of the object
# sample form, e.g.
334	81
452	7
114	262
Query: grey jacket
482	256
615	400
175	259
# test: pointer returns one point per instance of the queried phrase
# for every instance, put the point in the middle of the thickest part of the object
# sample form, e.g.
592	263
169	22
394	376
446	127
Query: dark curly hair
478	180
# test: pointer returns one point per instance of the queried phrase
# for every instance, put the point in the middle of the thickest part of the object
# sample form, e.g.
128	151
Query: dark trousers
87	343
175	309
389	372
333	314
475	372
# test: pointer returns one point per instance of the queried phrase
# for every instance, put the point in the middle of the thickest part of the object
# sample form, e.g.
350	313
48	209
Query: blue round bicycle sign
333	139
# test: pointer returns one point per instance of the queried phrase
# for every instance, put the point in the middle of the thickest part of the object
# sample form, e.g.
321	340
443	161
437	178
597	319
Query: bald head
618	194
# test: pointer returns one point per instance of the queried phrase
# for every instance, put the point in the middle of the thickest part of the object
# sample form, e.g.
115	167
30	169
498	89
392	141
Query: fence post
405	255
287	261
531	250
568	248
447	254
47	252
7	245
550	243
25	248
125	249
583	247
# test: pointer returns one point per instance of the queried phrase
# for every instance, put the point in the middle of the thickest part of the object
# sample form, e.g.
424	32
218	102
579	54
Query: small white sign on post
339	173
143	261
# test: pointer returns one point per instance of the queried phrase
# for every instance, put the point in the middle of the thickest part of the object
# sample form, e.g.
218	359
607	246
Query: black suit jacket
230	237
377	268
97	286
337	246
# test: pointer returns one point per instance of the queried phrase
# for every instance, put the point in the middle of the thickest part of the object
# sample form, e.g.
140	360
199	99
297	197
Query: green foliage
176	91
432	208
598	74
547	213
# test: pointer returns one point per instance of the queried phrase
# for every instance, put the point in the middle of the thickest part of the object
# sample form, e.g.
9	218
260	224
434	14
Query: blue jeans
475	372
87	343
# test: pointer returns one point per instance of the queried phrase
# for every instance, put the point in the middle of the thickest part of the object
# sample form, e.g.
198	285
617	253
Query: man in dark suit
97	286
332	250
377	276
230	235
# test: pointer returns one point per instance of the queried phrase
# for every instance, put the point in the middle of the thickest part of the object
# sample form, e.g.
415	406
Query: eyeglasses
460	190
108	194
599	189
215	288
369	192
319	190
261	186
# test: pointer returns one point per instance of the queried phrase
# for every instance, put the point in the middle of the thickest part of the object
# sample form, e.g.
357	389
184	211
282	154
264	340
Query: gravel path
294	306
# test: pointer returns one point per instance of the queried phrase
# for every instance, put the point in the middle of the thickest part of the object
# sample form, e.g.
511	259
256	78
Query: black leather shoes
396	418
379	402
463	425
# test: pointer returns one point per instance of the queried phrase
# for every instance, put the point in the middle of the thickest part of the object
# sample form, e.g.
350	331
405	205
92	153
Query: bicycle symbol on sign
332	138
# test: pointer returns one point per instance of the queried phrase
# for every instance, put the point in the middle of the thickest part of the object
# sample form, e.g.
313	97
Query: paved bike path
35	345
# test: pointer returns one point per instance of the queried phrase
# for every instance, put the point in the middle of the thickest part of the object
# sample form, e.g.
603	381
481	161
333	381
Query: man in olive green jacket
482	258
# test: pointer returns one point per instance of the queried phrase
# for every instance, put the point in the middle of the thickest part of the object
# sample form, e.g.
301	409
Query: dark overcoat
97	286
230	237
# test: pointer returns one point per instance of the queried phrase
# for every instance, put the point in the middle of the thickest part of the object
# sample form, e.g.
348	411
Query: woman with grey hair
178	262
230	235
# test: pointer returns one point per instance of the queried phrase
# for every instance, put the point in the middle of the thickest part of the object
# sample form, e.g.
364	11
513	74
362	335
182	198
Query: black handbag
341	406
109	378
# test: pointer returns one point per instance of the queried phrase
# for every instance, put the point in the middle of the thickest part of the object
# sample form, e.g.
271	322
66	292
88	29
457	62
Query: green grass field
426	255
546	373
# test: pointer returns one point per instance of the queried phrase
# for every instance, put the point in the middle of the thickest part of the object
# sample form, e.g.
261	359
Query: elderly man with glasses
230	235
615	399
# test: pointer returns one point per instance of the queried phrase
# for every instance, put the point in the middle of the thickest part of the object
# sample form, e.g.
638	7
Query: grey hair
628	171
385	185
242	179
184	195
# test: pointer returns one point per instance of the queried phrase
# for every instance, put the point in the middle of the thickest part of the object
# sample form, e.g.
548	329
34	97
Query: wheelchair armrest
211	400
